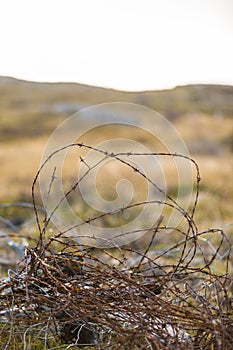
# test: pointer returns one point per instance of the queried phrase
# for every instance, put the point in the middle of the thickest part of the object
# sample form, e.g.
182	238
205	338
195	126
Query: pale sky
122	44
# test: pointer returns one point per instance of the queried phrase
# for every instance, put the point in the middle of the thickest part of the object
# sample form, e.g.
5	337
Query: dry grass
19	163
172	289
25	155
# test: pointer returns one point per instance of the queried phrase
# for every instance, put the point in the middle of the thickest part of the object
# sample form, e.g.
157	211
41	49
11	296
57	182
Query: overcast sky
122	44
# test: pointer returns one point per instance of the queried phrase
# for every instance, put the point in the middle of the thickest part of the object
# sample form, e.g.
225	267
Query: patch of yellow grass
19	162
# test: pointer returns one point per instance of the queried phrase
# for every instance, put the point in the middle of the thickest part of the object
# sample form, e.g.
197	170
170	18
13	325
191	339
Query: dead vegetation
169	289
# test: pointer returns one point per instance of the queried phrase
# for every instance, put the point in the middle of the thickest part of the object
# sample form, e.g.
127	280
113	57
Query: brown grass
171	290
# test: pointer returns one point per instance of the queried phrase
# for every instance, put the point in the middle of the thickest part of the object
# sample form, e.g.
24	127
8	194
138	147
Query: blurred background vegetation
202	114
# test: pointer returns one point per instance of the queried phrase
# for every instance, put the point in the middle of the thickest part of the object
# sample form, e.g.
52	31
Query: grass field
28	117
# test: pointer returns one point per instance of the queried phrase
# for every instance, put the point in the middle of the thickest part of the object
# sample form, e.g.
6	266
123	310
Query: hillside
202	115
182	99
24	104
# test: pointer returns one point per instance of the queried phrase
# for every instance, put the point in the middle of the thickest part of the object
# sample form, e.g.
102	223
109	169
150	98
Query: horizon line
172	87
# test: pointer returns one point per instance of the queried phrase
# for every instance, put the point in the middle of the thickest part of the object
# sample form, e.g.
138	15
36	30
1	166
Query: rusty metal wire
64	294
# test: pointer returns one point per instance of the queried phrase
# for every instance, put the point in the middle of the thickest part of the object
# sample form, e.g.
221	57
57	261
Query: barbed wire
170	288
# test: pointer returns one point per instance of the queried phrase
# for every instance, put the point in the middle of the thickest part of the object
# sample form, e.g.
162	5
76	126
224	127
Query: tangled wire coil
65	294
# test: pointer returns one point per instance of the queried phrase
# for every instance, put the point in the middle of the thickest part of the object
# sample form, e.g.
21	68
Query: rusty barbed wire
160	292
